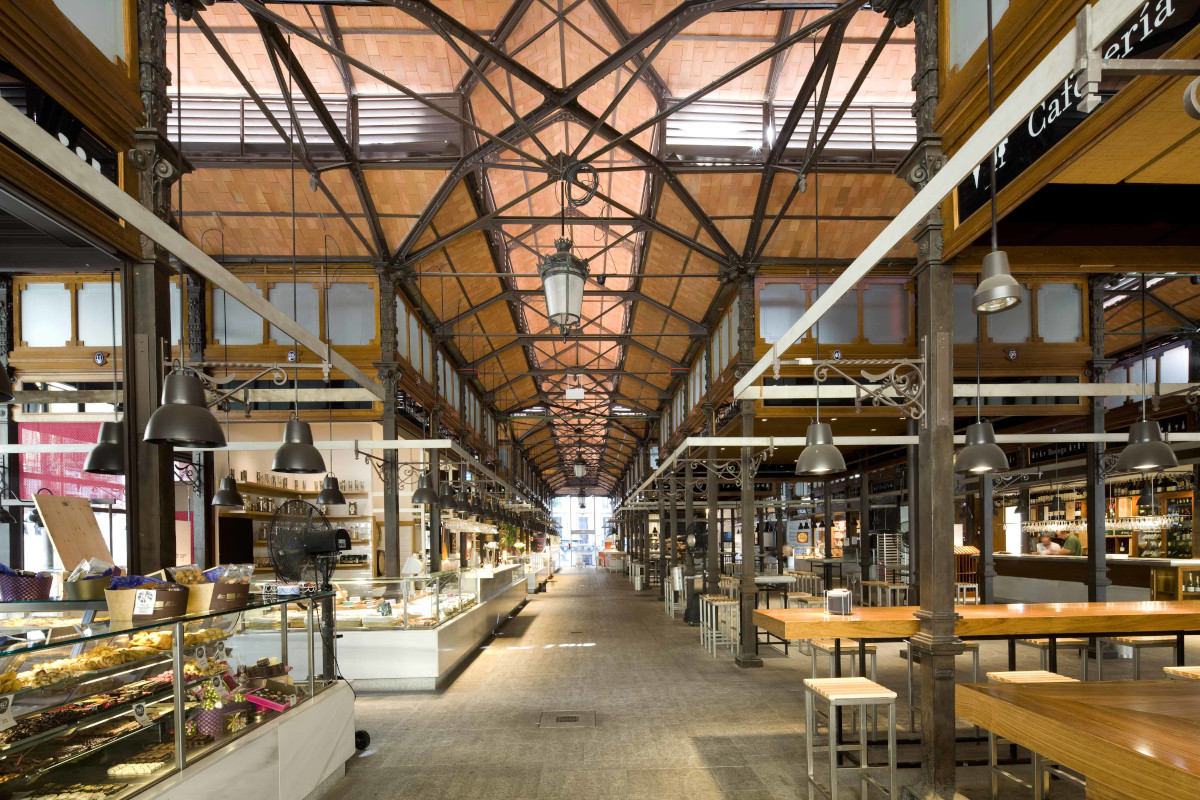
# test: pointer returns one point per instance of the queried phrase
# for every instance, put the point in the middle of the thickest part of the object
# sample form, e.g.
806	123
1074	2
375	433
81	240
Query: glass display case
94	708
423	601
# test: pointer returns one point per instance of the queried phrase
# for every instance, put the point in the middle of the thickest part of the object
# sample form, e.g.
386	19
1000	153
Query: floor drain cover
567	719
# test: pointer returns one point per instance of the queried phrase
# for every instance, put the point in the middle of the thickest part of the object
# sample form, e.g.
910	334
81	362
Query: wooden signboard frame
73	529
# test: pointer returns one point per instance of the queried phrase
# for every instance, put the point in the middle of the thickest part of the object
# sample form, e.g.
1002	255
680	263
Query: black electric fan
302	545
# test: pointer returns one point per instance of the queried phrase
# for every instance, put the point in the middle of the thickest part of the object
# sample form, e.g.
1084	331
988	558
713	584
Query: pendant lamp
1147	497
183	418
108	456
424	495
997	290
447	499
1146	450
227	494
820	454
331	492
580	466
297	456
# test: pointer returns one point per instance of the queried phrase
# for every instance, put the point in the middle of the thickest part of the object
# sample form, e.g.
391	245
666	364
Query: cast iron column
435	466
672	535
12	543
1097	560
827	502
660	562
987	547
388	371
866	554
689	515
748	655
780	526
914	508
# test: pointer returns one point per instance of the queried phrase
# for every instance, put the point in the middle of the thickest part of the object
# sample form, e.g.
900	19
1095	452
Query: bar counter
1029	578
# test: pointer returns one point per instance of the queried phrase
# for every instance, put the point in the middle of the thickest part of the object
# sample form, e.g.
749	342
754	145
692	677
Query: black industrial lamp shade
1146	450
998	289
563	275
447	499
296	455
820	454
228	494
462	503
108	456
1147	498
183	419
424	495
980	453
6	517
477	506
331	493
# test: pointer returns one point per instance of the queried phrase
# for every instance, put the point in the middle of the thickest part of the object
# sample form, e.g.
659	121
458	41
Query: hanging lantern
563	275
580	466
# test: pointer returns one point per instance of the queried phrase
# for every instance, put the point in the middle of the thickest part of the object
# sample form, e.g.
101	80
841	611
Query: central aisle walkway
672	723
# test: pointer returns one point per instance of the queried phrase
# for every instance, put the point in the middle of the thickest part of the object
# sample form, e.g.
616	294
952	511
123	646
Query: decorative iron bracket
900	383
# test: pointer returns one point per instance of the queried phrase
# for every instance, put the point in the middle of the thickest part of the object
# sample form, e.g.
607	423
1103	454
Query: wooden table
1130	739
1012	622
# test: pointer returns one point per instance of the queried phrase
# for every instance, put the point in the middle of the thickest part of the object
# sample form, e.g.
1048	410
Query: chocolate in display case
90	706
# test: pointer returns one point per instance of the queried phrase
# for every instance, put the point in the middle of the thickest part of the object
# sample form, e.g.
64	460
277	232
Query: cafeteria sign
1156	26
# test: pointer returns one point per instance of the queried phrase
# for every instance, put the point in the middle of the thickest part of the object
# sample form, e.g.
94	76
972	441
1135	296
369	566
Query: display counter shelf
98	708
1029	578
439	621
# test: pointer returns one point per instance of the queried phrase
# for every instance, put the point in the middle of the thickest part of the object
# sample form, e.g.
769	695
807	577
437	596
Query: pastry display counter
1031	578
412	634
93	709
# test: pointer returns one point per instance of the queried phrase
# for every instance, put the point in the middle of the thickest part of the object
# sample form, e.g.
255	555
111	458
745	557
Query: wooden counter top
1016	619
1130	739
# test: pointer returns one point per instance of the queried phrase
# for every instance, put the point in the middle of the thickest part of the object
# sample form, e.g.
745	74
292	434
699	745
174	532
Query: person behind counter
1071	546
1047	546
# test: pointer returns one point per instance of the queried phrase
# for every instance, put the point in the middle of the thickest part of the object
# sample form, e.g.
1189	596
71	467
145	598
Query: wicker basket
21	587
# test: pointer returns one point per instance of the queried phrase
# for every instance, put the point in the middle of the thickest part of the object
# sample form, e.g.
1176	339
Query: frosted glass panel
1060	313
401	330
1116	375
243	325
885	313
176	313
966	323
45	315
732	343
1173	365
840	323
968	27
94	303
1136	375
351	313
1012	325
779	306
414	342
307	303
426	357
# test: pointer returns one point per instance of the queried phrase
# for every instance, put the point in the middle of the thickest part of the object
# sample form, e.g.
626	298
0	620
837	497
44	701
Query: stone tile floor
671	721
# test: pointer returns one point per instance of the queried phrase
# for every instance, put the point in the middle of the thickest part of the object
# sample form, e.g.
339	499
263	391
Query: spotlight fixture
981	453
331	492
183	418
228	495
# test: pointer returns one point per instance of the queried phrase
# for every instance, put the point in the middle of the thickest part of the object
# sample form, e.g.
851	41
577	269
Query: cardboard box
159	603
205	597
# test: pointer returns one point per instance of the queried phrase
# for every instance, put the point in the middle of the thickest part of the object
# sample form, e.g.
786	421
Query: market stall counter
93	708
411	634
1028	578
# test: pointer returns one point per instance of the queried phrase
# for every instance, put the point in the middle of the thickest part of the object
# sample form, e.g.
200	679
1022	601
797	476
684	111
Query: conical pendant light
997	290
980	453
424	495
183	418
1146	450
227	494
447	500
820	454
1147	497
331	492
108	456
296	455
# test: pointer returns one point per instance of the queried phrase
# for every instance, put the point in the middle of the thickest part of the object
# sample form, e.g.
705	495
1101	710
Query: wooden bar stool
1137	644
894	592
968	647
1078	645
824	648
1042	770
965	593
840	693
1184	673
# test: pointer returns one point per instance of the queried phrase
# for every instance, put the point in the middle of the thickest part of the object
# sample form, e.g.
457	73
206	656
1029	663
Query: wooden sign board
73	529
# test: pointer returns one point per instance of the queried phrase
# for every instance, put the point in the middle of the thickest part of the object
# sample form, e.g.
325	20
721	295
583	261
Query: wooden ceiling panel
421	62
736	25
394	229
637	15
889	81
1131	151
537	47
272	235
265	191
1180	164
722	194
458	210
839	239
690	65
735	231
205	73
403	191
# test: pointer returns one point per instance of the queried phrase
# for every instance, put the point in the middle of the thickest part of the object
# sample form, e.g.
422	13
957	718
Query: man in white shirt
1047	546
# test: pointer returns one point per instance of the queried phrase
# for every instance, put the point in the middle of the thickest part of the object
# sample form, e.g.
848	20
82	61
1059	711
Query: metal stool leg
810	733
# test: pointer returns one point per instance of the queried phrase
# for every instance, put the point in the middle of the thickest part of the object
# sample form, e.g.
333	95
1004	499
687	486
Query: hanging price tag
6	715
201	659
139	714
143	602
216	681
217	653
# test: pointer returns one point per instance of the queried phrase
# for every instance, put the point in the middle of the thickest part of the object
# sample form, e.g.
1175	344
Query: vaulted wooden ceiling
430	136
